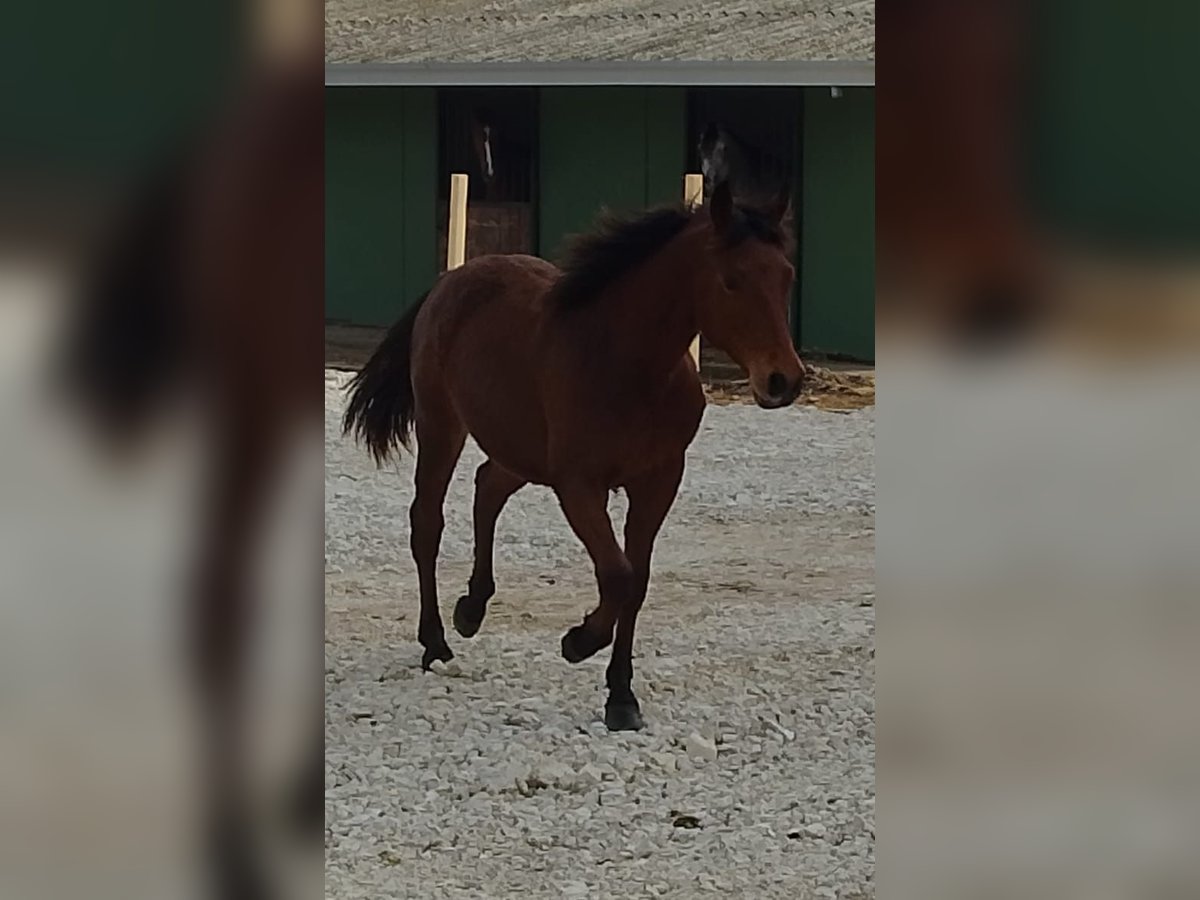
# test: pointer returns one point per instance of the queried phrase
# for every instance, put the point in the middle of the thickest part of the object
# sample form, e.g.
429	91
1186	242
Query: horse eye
732	282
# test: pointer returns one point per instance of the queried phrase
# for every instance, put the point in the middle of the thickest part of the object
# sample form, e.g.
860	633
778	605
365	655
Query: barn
556	111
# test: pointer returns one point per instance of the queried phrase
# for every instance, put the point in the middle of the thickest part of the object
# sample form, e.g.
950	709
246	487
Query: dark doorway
749	136
491	135
752	137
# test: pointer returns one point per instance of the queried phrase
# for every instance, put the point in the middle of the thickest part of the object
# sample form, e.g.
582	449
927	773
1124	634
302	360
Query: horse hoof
623	716
468	616
579	643
432	654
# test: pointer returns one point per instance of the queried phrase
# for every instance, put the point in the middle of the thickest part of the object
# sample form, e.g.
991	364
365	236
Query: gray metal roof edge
690	73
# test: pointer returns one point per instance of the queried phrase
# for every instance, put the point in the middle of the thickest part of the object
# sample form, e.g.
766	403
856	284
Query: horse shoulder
674	413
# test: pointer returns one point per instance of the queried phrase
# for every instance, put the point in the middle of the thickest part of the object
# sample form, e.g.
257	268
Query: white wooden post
456	237
693	195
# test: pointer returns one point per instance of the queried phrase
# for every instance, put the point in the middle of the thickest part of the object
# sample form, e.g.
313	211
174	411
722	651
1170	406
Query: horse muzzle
778	391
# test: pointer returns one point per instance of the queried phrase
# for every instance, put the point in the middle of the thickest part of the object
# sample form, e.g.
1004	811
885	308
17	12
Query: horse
724	156
501	161
578	379
481	142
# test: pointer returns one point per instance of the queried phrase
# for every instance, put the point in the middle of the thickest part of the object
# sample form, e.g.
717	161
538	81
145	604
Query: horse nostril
777	384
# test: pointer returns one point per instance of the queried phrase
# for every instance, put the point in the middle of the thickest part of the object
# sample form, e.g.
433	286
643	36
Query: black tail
380	411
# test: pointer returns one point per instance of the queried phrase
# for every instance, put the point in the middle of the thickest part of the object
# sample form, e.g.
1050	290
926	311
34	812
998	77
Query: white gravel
494	776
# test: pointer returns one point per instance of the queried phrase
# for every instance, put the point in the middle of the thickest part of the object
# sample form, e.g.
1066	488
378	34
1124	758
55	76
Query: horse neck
650	319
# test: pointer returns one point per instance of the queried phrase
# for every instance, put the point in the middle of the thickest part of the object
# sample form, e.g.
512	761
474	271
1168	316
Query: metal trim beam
682	73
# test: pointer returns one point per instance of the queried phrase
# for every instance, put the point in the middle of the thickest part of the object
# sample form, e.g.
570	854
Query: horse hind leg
440	440
493	486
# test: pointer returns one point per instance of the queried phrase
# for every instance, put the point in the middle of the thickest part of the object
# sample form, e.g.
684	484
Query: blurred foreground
1038	451
160	303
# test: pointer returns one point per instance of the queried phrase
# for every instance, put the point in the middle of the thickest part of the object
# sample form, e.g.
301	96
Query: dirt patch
754	664
828	389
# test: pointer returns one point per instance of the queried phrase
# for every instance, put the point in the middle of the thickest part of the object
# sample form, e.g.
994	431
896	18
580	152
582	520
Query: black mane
618	244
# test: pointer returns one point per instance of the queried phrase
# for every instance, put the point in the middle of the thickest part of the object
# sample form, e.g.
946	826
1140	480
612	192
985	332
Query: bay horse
502	162
581	380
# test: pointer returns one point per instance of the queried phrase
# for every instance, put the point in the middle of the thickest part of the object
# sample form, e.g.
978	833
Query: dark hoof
623	716
468	616
579	643
435	653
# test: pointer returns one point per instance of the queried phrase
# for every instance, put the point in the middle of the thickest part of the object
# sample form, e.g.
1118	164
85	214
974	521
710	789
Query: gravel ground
754	663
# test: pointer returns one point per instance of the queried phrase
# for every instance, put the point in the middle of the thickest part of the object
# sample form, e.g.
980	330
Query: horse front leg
650	498
586	509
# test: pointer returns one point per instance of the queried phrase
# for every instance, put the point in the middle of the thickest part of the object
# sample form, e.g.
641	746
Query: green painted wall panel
104	90
666	144
593	155
837	246
620	147
380	172
1115	133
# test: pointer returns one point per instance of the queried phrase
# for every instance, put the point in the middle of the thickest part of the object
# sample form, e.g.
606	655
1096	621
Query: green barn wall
105	92
837	242
1114	136
620	147
380	197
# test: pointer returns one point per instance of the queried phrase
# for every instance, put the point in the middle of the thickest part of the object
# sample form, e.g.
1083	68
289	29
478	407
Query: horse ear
780	204
720	208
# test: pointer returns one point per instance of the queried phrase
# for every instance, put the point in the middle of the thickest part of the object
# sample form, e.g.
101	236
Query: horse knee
641	583
618	581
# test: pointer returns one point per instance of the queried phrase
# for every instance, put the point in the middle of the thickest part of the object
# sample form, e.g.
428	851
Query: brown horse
580	380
